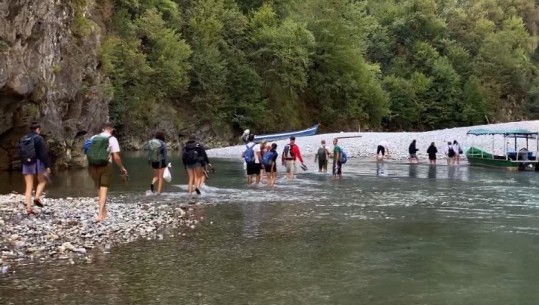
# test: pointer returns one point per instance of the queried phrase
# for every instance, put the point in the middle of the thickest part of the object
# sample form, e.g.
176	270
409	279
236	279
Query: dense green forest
286	64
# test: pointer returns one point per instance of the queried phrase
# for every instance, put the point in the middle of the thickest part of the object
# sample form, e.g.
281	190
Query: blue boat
286	135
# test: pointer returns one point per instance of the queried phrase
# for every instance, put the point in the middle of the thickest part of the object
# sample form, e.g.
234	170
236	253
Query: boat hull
492	163
286	135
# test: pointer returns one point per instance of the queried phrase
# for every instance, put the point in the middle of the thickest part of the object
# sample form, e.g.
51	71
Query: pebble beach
65	229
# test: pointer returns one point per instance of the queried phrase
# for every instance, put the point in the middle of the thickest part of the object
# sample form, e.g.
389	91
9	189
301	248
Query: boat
524	158
286	135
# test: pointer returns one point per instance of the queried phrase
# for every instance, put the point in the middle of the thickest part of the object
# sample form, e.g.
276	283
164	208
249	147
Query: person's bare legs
41	182
191	180
268	178
198	176
159	178
29	181
102	212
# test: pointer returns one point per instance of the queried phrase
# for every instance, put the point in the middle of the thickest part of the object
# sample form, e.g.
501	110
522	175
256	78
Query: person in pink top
289	156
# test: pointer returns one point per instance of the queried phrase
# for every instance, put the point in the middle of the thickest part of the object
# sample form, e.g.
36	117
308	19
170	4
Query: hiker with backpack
458	152
35	163
102	151
192	157
339	158
157	158
251	157
322	157
449	152
269	161
290	154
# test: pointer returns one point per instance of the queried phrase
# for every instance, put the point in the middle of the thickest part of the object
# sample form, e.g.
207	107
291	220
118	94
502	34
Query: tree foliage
285	64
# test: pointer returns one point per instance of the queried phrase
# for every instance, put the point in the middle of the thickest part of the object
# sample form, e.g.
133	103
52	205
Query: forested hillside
225	65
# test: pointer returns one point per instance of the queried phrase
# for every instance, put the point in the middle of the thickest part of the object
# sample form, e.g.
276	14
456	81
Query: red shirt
294	152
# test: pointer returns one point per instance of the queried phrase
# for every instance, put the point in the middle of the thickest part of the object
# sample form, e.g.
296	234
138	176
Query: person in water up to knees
432	151
449	153
290	154
192	160
251	157
412	150
35	163
458	152
322	156
382	150
269	161
157	157
103	150
337	165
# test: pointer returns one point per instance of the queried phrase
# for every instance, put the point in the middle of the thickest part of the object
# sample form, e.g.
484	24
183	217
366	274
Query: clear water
384	234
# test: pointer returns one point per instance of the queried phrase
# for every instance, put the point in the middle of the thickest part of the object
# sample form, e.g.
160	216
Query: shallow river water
385	234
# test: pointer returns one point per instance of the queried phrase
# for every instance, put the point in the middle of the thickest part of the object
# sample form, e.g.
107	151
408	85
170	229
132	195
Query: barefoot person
432	151
192	160
382	150
157	157
269	161
337	165
35	163
291	153
322	157
103	150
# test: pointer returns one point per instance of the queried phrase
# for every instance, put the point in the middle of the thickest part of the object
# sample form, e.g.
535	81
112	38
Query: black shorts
271	168
253	168
158	165
432	156
381	149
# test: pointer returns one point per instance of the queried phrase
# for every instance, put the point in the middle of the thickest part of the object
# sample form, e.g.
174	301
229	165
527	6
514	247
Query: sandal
38	203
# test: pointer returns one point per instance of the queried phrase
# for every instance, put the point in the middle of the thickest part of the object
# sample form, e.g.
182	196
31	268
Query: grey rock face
49	73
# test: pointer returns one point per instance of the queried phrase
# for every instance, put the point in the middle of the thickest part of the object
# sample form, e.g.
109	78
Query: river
387	233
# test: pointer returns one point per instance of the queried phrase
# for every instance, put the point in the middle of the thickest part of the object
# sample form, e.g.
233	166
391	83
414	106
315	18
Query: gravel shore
65	229
364	146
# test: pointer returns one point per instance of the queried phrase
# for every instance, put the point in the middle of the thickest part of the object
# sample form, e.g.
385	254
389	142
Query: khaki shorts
102	175
290	166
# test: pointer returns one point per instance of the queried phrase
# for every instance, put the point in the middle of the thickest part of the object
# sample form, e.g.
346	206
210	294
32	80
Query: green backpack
98	153
154	150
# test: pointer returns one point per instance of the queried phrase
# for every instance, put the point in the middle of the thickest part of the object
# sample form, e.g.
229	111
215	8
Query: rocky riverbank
65	229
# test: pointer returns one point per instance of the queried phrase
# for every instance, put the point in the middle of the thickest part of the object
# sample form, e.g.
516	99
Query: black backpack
190	153
287	152
322	154
27	149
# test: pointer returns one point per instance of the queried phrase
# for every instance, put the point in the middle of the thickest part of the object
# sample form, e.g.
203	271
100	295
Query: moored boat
525	157
285	135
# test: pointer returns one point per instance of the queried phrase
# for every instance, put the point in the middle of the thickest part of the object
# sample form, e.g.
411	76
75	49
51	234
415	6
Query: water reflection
381	169
432	172
412	171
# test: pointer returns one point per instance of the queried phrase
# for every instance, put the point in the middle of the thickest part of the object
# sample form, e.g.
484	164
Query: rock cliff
49	73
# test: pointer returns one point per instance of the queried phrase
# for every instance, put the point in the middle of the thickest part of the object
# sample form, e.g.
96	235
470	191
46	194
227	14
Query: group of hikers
102	150
261	159
452	152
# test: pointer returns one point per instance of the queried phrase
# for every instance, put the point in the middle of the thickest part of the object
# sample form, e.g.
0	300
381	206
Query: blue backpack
268	157
343	157
249	154
86	145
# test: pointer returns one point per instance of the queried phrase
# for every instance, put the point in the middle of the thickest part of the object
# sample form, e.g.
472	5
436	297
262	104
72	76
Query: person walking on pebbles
35	164
157	158
382	150
104	149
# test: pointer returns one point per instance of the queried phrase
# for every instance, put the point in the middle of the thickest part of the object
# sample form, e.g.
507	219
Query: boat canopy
506	132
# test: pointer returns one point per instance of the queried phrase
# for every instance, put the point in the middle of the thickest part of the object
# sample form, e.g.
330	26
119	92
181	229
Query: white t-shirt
256	149
114	146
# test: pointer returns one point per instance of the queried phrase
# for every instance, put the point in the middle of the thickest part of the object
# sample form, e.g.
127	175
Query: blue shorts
35	168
